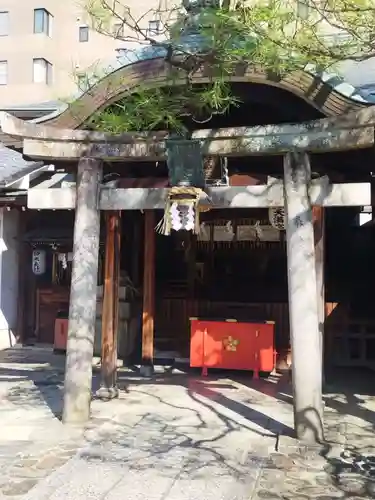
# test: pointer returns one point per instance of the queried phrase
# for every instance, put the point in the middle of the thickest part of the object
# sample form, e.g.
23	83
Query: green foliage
149	108
163	108
270	34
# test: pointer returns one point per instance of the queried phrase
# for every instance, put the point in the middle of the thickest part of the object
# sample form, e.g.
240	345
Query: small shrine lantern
187	181
276	216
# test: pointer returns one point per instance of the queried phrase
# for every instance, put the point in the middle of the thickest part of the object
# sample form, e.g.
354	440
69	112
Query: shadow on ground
199	425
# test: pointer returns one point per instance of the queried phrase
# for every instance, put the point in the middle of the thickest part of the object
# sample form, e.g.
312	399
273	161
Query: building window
83	82
4	23
118	30
154	27
42	22
83	34
42	71
3	72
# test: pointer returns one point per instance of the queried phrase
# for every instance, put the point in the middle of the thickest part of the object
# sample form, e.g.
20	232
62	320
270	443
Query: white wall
9	247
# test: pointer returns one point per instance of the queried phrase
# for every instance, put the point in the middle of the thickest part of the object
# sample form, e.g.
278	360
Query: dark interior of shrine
248	279
235	279
241	270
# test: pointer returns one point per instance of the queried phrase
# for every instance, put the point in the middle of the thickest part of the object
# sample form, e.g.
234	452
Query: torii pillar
83	292
303	300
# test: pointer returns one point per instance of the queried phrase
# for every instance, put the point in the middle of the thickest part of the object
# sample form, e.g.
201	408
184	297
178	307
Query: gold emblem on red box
230	344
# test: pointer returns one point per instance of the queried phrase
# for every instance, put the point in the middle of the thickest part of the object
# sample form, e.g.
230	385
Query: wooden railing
350	339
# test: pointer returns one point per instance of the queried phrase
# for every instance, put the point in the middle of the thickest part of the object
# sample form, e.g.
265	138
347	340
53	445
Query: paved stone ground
33	442
179	438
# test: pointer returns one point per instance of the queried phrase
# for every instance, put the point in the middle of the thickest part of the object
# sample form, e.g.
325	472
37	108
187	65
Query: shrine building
154	248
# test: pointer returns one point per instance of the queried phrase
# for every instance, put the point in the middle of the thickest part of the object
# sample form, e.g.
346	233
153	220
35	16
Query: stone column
83	291
303	301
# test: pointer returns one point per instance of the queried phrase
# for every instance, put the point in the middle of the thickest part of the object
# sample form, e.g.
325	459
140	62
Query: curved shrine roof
328	92
345	106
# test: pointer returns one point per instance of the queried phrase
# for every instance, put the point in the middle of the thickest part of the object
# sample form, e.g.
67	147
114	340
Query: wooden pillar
303	302
191	264
116	282
108	388
137	245
148	295
83	291
319	242
23	275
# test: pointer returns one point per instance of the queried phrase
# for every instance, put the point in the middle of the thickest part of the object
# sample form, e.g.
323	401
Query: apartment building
45	45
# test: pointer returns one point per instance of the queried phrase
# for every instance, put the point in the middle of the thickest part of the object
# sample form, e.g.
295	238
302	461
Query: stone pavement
178	438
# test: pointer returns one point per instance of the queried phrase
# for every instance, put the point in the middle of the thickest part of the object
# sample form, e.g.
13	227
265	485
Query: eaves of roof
13	167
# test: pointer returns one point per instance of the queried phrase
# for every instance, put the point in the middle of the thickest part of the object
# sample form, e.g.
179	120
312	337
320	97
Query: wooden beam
108	388
83	291
255	143
261	196
148	294
303	301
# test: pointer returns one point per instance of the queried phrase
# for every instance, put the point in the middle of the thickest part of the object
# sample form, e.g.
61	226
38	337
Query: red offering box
61	334
232	345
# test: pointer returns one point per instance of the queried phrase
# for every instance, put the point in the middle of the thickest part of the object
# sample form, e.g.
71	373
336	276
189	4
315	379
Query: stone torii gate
297	192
